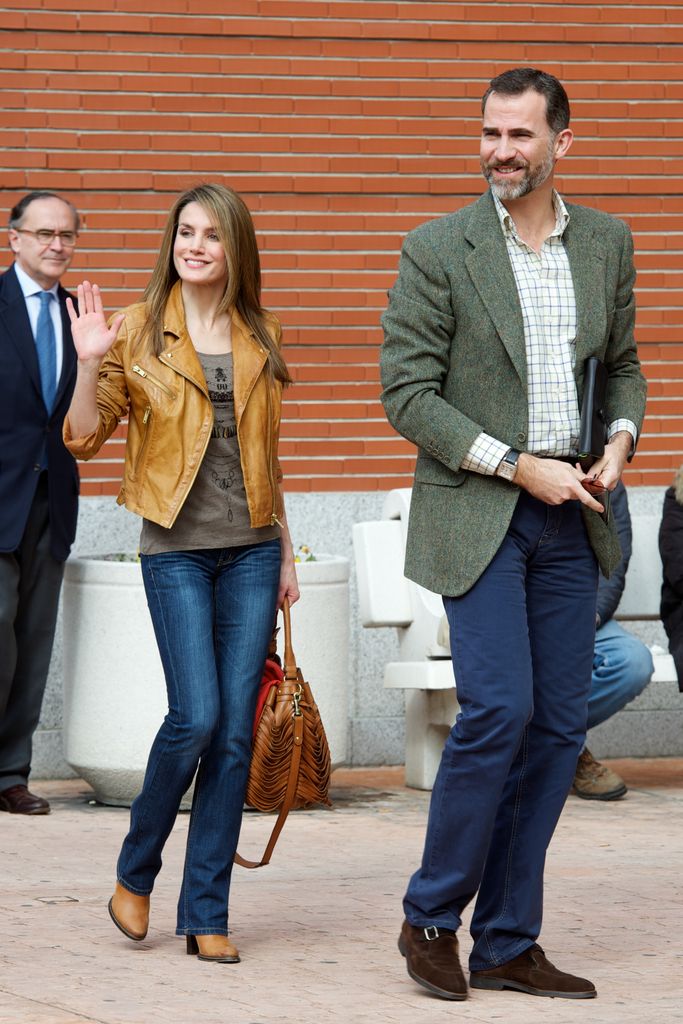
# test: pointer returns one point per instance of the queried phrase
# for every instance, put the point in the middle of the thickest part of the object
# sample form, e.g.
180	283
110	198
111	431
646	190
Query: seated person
622	666
671	550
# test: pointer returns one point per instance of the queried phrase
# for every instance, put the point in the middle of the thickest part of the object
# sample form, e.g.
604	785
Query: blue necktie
46	348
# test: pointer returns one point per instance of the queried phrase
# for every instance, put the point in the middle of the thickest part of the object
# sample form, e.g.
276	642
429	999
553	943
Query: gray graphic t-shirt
215	513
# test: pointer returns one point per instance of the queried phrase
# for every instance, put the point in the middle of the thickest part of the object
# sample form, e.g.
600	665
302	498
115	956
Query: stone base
650	726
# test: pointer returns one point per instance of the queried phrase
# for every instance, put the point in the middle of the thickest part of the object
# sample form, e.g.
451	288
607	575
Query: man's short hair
17	212
519	80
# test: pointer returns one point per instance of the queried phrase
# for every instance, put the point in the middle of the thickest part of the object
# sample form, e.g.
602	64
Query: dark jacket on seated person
610	590
671	550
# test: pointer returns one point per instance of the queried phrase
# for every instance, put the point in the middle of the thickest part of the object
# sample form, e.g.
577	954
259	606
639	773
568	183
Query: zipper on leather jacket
154	380
145	439
269	455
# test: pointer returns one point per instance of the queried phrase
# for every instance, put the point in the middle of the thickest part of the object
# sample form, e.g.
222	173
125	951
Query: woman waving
197	369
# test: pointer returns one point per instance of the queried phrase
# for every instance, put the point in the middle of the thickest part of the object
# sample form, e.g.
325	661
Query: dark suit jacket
454	364
25	426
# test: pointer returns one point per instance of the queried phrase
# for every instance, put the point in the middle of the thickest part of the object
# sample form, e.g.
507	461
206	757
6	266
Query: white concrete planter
114	691
320	638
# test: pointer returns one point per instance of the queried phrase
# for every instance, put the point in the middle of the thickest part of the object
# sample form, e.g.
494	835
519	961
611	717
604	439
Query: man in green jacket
489	325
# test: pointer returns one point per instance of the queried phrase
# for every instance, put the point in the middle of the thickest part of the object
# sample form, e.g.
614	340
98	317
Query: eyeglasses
45	237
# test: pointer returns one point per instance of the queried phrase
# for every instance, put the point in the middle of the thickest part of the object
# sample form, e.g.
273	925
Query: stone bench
424	670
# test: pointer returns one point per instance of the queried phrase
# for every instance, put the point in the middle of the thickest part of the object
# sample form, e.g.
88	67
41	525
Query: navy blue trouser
522	648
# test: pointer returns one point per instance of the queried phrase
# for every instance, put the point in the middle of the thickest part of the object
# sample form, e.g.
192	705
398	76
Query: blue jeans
522	647
622	667
213	613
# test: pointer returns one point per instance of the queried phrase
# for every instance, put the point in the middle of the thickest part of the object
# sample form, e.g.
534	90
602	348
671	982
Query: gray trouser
30	581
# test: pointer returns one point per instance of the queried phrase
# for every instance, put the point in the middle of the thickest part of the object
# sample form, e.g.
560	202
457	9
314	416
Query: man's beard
531	179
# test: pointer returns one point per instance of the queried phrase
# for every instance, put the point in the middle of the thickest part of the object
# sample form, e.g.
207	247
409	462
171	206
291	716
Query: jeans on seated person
622	667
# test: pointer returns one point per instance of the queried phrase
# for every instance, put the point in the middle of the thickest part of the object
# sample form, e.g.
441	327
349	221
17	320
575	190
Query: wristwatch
508	467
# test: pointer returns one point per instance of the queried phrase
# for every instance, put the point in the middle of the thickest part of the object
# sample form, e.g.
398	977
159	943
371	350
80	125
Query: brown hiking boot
593	781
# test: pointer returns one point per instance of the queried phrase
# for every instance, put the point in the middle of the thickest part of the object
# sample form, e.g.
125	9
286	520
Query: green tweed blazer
453	364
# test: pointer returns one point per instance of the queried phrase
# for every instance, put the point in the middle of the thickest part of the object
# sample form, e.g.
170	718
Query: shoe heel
191	945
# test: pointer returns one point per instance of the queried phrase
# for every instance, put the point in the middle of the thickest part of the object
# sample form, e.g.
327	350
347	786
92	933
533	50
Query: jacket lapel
488	265
587	256
249	358
18	331
179	353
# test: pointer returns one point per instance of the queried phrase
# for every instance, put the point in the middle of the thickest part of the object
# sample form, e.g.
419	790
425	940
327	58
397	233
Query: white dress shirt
32	293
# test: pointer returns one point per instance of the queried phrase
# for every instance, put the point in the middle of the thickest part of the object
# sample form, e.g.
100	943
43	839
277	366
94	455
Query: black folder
593	429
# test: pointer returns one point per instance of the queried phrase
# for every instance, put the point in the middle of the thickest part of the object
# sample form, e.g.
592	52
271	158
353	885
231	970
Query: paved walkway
317	929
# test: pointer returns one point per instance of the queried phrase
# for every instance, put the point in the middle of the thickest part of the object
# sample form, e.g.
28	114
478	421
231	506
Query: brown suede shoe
594	781
19	800
432	960
130	913
531	972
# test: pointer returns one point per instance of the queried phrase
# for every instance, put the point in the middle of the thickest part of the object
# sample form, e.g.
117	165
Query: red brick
343	133
24	80
21	158
88	22
14	20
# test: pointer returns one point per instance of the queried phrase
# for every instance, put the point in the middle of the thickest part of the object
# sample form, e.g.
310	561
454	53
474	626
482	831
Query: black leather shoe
532	972
432	960
18	800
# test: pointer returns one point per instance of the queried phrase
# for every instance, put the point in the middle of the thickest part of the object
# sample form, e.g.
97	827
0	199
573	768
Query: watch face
508	467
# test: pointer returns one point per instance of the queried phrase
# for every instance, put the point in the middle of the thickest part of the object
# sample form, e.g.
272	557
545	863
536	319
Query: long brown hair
235	229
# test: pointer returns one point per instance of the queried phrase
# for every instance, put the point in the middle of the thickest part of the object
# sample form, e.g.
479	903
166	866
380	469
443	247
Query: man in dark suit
38	477
495	311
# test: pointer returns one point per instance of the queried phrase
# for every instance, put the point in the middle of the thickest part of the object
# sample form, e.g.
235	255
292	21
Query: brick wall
343	125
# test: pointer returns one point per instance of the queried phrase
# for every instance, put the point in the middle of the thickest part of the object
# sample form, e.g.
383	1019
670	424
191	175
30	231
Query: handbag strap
289	659
291	672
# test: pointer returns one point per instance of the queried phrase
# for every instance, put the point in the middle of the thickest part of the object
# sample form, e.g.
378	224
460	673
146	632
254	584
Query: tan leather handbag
290	761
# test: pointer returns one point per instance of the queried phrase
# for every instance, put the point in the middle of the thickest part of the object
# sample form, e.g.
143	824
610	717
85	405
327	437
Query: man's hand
607	470
554	482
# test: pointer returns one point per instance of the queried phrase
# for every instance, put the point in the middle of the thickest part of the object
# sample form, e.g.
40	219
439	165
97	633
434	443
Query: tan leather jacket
170	416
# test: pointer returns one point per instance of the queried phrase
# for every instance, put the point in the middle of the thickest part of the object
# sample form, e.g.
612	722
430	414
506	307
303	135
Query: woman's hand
289	586
92	338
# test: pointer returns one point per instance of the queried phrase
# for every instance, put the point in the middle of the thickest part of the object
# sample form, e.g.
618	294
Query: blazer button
521	436
36	468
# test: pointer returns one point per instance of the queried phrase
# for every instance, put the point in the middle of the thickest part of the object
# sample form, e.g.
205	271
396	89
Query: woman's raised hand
92	338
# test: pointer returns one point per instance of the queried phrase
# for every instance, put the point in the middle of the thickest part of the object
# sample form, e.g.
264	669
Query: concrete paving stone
317	929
